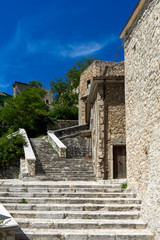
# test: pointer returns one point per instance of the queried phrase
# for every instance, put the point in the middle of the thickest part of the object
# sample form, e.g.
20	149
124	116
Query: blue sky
42	39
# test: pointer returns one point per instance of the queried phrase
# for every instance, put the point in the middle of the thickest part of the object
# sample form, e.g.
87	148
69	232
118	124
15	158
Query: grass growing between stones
124	186
23	201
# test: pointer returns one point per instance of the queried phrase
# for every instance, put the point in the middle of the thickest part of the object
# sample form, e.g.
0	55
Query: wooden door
119	161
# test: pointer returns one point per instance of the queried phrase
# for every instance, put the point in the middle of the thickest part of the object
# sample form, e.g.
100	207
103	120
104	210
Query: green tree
65	94
36	84
28	110
73	75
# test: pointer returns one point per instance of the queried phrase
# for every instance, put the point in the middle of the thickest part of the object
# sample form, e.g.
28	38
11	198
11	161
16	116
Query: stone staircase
51	167
73	210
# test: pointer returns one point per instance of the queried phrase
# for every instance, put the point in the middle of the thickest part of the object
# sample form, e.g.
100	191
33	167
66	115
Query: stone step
71	207
62	190
72	171
67	160
68	174
61	184
96	234
75	169
49	177
68	195
70	200
74	215
79	223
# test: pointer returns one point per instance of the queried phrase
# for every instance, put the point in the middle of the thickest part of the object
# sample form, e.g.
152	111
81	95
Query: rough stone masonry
142	78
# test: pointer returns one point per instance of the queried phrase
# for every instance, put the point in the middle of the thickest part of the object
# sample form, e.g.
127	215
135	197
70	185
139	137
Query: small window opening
88	84
47	101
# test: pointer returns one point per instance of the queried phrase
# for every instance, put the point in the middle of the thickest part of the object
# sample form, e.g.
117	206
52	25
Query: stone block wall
18	88
96	69
142	72
62	124
115	121
7	234
48	98
77	146
97	127
115	126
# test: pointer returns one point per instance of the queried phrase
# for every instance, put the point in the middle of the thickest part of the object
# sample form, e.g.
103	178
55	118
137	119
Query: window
47	101
88	84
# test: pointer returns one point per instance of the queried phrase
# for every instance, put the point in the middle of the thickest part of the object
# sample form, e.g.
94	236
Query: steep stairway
73	211
51	167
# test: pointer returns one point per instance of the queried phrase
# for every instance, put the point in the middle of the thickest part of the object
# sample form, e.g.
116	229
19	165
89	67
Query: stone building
19	86
102	106
142	83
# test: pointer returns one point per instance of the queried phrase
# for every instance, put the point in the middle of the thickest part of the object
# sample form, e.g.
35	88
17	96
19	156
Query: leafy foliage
36	84
11	149
73	74
65	94
28	110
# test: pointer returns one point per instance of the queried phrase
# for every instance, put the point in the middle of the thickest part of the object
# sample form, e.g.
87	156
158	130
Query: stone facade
104	109
96	69
18	87
142	78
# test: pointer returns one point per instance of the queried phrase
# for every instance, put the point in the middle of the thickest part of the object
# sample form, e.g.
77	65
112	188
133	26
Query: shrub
11	149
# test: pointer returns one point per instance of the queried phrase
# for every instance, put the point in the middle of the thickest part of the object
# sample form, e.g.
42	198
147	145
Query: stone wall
18	88
142	71
115	120
77	146
11	172
48	98
96	69
97	128
115	126
62	124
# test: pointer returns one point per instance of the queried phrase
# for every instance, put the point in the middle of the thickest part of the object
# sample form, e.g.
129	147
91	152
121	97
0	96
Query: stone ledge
85	133
7	221
57	144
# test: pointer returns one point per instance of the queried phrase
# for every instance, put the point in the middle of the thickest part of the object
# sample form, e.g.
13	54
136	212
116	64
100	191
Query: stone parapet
27	167
57	144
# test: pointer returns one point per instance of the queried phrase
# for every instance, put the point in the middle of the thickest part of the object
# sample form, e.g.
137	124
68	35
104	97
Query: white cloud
86	48
72	50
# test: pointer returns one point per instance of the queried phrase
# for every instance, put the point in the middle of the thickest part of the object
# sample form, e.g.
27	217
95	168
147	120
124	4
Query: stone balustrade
27	165
57	144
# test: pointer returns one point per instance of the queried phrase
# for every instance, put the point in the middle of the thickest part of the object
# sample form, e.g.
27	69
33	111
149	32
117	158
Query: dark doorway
119	162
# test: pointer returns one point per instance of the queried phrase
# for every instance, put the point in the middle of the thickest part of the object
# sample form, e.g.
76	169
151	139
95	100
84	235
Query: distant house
102	107
19	86
141	36
3	98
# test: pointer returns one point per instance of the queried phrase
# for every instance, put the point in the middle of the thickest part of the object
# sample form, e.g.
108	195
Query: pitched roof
133	16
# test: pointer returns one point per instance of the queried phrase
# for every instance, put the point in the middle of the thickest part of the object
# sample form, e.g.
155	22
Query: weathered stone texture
115	119
96	69
142	69
77	146
62	124
7	234
48	98
97	127
115	125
